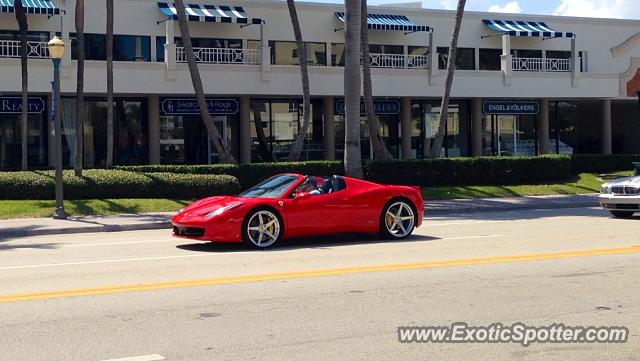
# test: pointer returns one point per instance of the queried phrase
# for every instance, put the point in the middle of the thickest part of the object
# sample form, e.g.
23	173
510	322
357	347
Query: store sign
508	107
186	106
13	105
379	107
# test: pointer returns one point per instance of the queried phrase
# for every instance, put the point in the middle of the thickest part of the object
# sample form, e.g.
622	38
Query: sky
621	9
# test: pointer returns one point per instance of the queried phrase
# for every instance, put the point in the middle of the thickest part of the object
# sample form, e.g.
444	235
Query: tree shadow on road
316	242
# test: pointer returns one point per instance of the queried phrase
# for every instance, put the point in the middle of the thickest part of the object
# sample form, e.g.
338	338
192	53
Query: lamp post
56	50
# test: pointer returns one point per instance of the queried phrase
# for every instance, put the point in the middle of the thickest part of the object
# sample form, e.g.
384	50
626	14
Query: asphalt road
146	296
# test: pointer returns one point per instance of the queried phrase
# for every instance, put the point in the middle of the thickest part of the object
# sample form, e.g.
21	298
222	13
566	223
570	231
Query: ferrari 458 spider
294	205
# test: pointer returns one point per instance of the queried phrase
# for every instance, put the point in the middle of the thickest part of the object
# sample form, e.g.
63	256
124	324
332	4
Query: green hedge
599	163
470	171
101	183
247	174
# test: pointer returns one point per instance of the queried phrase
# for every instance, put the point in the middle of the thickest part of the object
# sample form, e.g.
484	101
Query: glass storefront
275	125
11	135
130	132
425	118
510	135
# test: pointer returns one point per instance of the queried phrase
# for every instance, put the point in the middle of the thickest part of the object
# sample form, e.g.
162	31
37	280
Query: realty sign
187	106
510	107
13	105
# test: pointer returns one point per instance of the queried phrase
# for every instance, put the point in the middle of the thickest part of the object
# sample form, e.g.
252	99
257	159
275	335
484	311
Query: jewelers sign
187	106
509	107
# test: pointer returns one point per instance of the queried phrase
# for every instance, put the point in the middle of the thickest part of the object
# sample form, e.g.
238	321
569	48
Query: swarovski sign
188	106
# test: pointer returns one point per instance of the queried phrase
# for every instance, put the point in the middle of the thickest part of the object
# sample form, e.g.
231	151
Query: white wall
594	36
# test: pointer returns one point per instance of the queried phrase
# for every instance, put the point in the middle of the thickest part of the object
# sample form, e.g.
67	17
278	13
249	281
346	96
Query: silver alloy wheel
263	228
399	219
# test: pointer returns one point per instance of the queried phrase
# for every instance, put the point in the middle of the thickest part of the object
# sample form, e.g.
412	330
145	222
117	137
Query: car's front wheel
622	214
397	220
262	228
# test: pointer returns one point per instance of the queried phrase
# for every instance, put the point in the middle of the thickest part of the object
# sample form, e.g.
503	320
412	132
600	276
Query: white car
621	196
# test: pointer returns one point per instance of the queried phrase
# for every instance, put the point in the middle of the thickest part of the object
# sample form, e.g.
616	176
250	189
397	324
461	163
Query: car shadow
315	242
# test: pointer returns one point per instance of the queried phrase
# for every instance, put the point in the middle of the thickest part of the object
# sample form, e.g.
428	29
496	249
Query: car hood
635	181
210	204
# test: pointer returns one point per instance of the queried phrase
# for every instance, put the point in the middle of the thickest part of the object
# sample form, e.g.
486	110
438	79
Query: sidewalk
132	222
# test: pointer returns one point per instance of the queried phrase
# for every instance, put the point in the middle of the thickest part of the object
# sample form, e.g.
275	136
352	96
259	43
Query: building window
286	53
337	54
465	59
386	49
197	43
558	54
39	36
520	53
490	59
125	47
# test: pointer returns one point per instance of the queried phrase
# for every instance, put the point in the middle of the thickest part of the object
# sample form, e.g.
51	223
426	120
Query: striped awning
389	22
210	13
525	28
46	7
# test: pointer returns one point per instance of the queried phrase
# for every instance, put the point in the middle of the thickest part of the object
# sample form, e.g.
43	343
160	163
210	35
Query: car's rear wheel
622	214
262	228
397	220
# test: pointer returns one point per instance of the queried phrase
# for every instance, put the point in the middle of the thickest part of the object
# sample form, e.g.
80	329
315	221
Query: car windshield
273	187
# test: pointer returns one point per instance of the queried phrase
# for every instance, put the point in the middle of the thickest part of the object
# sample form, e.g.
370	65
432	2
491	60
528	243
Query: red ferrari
294	205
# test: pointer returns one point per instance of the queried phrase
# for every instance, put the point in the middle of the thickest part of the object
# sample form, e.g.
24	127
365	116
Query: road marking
117	243
313	273
154	258
154	357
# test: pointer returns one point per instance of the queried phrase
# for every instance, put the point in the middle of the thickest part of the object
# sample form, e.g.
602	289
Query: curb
472	208
17	233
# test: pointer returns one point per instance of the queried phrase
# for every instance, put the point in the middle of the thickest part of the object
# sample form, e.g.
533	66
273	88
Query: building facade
524	85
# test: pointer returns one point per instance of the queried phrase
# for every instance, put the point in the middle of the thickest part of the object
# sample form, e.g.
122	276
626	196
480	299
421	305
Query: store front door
510	128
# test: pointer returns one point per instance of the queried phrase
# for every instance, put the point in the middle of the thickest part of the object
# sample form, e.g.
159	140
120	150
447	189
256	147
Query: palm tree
23	28
109	83
296	149
79	148
451	64
379	149
352	156
223	152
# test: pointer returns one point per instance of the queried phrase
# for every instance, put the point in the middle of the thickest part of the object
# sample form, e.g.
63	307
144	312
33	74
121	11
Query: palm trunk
224	154
436	148
109	83
23	27
352	155
79	148
379	149
296	149
262	139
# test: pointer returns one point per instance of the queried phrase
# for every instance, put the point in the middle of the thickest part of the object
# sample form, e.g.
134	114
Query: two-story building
524	85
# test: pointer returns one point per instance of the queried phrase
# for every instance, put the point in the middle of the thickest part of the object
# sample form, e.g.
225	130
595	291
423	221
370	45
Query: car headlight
221	210
606	189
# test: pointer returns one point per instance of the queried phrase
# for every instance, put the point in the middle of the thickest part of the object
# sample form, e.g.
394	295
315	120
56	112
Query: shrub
598	163
101	183
470	171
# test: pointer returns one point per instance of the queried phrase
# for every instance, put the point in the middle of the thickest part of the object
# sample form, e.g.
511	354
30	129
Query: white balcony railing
220	55
541	65
398	61
35	49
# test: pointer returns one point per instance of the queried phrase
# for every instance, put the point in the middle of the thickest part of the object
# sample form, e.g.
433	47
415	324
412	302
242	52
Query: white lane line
107	261
154	357
79	263
118	243
427	223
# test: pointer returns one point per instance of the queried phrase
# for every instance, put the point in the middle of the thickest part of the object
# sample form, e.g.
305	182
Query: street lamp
56	50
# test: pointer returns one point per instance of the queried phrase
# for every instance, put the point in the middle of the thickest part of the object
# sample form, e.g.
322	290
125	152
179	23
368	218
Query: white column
506	59
606	126
329	136
265	56
433	60
153	111
170	50
575	64
245	130
543	127
405	127
476	128
328	52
